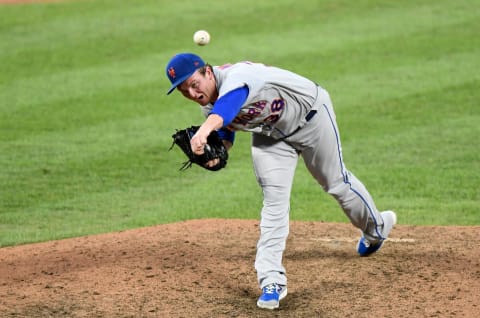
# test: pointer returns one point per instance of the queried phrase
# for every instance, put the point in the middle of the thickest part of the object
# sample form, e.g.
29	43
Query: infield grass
85	124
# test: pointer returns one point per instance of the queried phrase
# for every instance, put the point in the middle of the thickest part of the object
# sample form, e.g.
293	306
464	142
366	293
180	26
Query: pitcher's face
200	88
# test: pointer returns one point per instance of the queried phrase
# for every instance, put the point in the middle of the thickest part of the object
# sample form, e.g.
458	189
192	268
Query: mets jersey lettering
258	114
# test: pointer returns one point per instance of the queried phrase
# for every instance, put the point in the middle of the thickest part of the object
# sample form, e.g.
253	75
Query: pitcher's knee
339	190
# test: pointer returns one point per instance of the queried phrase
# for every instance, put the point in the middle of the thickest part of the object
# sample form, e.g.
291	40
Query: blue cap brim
178	82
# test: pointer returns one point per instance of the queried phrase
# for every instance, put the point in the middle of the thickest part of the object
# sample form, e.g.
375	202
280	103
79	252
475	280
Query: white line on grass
349	240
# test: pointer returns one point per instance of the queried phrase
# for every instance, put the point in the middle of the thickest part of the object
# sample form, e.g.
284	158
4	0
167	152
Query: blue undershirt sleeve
226	134
228	106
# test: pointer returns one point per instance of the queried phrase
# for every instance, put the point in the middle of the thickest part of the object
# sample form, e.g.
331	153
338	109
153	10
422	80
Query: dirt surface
204	268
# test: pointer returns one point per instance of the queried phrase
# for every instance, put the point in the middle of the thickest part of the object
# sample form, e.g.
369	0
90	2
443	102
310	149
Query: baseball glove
213	149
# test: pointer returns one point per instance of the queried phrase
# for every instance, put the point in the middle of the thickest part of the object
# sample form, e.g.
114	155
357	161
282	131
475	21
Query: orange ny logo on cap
171	72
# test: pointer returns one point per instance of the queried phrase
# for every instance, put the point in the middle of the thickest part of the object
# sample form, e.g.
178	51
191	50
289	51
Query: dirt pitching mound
204	268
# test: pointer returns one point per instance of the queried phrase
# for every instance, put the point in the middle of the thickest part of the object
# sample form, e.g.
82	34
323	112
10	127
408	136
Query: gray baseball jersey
278	100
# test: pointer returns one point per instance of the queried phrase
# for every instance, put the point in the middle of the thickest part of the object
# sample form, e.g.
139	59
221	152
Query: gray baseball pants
318	142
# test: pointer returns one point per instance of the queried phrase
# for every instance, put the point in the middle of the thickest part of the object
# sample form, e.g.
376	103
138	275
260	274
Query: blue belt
309	116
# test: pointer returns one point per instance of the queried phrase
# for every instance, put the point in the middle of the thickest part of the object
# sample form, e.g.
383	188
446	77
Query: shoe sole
394	219
272	305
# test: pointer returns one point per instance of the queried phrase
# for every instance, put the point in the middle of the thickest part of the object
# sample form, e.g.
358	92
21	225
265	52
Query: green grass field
85	124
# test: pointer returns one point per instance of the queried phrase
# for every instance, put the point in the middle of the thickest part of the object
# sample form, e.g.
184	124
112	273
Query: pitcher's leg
321	149
274	163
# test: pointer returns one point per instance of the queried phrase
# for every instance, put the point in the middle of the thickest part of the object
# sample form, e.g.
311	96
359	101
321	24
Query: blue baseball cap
181	67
